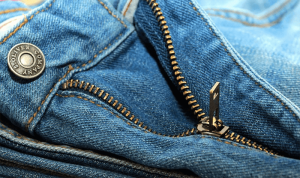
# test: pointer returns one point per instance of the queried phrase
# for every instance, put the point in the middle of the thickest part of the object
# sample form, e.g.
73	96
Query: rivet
26	60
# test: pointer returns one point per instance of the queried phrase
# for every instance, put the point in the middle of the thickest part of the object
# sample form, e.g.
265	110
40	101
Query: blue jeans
125	96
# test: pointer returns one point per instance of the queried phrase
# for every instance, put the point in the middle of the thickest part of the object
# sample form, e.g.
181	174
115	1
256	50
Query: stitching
135	127
13	10
69	70
247	23
22	24
241	68
109	11
236	144
39	108
147	131
80	97
20	136
91	101
16	29
127	7
252	15
133	123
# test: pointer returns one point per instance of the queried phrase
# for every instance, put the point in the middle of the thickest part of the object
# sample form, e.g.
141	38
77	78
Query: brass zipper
187	93
212	125
209	125
112	101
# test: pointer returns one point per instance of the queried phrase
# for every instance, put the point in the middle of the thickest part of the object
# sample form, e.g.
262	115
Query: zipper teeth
243	140
187	93
106	97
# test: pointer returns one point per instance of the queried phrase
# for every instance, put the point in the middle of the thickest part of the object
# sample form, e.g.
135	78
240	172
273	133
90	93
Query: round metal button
26	60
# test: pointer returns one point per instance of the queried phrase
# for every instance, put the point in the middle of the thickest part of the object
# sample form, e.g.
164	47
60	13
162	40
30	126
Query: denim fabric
250	47
12	9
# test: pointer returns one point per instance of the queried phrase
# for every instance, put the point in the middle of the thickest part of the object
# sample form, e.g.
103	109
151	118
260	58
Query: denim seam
16	164
241	68
126	164
250	24
127	7
89	151
238	145
135	126
13	10
70	69
39	108
252	15
109	11
24	22
12	33
16	29
99	105
133	123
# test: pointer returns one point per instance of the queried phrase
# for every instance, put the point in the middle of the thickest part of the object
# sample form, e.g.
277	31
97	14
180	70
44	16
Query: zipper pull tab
212	125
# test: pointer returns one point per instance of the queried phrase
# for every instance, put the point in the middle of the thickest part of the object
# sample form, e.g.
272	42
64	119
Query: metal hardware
26	60
212	125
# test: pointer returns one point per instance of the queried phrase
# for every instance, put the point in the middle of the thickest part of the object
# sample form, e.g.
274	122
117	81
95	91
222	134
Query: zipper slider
212	125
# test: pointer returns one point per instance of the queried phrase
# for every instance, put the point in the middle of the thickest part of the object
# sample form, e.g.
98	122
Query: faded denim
250	47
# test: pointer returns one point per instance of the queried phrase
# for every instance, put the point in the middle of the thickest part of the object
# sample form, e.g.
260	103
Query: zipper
208	125
213	126
112	101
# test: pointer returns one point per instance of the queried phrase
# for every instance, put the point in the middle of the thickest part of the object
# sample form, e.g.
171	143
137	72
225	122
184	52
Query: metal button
26	60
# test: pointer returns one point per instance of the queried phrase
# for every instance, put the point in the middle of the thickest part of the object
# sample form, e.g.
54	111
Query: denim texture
250	47
12	9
